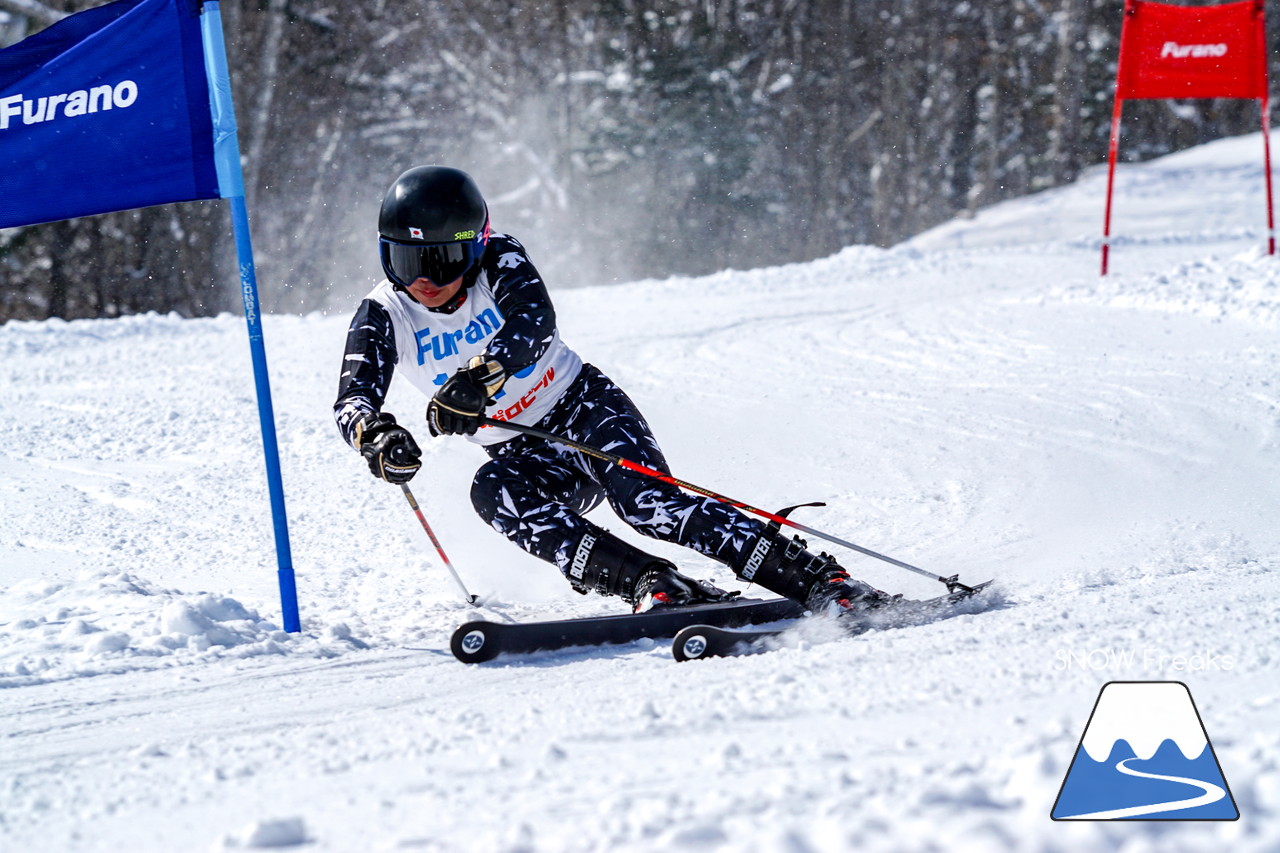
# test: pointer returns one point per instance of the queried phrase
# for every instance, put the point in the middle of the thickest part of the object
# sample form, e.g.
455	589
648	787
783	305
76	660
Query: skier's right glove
390	450
458	406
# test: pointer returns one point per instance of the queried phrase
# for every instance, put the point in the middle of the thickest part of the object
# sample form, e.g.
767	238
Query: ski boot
834	591
605	564
663	586
815	580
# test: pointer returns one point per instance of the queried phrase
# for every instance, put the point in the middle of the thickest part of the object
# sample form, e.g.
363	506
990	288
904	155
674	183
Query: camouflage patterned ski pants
535	492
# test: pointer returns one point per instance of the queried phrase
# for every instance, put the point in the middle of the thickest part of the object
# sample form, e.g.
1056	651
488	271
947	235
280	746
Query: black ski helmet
434	224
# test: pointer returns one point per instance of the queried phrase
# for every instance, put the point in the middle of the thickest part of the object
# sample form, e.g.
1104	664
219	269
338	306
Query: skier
466	317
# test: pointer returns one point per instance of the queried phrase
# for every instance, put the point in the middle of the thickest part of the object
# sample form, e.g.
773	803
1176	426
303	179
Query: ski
696	642
475	642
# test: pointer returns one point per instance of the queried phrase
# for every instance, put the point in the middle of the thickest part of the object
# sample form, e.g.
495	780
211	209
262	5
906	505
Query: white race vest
432	346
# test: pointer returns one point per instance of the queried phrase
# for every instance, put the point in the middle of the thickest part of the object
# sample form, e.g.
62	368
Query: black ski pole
952	583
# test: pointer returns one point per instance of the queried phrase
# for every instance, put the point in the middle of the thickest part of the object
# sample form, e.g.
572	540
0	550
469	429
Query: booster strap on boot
768	539
784	566
605	564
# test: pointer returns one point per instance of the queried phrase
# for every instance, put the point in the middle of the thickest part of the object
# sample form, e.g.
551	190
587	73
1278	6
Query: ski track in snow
975	400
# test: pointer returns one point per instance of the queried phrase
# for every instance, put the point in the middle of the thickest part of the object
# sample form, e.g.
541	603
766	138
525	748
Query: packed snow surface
975	401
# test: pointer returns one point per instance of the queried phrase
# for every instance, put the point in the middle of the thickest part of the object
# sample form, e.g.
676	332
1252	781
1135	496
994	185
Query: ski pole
952	583
471	599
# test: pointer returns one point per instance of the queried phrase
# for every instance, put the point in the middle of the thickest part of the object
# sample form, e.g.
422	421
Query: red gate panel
1192	51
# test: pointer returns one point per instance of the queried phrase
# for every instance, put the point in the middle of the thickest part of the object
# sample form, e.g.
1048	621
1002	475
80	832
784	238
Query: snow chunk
112	641
701	836
220	621
116	622
1244	287
279	832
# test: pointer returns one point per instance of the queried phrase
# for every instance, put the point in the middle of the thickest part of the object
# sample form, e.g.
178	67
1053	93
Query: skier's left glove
458	406
389	449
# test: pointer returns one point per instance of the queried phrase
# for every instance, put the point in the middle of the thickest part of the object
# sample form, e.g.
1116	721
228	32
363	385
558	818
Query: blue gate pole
231	187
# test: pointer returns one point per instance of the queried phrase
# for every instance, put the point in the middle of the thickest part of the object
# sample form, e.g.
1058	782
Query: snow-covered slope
976	400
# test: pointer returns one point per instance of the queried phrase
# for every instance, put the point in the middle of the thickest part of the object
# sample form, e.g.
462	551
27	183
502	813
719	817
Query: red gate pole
1265	105
1130	8
1266	157
1111	178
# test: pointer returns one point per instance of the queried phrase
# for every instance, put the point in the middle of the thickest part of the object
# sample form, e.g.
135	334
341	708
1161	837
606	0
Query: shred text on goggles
442	263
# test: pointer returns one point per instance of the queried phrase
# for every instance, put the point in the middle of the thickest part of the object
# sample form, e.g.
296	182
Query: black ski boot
815	580
663	586
605	564
834	592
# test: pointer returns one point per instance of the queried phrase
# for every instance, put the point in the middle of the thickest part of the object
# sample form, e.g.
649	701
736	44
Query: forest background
619	140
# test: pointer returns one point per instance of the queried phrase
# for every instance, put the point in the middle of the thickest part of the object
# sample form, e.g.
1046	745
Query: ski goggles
442	263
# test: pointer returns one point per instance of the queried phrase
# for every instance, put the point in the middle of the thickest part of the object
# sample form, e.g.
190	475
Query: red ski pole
952	583
471	599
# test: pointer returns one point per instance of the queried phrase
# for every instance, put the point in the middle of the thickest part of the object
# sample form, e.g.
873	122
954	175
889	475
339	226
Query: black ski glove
392	453
458	406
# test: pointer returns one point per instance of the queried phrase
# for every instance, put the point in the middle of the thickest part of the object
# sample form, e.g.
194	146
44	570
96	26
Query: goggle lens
442	263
